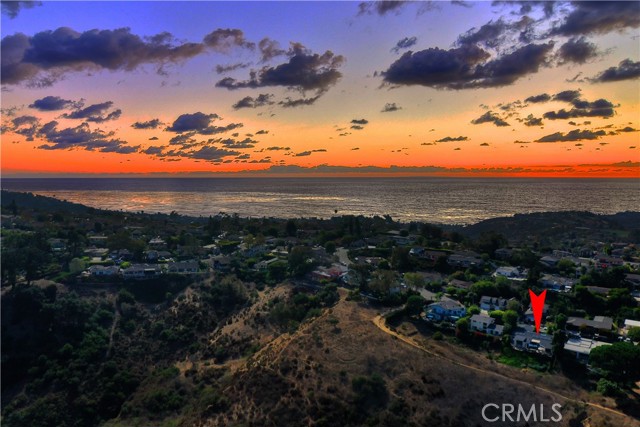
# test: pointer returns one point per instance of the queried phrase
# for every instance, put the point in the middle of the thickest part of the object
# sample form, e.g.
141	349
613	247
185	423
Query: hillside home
446	309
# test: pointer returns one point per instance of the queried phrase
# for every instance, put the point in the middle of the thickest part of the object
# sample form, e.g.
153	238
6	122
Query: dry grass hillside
328	373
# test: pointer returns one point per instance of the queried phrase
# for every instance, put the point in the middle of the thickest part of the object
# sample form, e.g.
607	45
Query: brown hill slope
341	369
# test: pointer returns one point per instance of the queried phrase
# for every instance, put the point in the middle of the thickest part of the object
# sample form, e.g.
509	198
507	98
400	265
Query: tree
330	247
382	281
277	271
462	326
400	259
414	280
510	319
484	287
620	360
634	334
557	342
300	262
414	305
291	228
566	266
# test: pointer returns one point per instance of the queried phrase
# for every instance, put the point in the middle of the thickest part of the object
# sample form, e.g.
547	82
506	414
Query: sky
321	88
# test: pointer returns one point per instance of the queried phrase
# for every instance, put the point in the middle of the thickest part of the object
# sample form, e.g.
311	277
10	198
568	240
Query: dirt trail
379	321
116	318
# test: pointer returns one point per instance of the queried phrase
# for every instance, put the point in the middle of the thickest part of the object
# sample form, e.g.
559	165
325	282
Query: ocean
436	200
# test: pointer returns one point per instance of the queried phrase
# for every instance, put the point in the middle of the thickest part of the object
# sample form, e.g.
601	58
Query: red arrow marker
537	305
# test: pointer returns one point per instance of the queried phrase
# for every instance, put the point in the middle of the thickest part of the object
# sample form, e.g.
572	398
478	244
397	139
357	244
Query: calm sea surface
439	200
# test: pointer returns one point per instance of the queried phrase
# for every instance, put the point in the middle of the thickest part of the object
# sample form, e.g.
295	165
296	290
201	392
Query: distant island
136	319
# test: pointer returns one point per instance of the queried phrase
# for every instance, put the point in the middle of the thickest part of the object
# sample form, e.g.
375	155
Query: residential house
599	290
557	283
222	263
446	309
335	272
263	265
528	315
102	271
525	338
605	261
586	327
493	303
57	245
460	284
513	273
157	243
465	260
503	253
581	347
486	325
183	267
142	271
97	241
549	261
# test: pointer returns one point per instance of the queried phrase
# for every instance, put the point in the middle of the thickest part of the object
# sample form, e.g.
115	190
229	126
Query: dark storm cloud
582	108
96	113
26	126
600	17
262	132
192	122
278	148
574	135
82	137
577	50
490	34
465	67
221	69
292	103
304	71
380	7
211	154
224	40
52	103
626	70
532	121
183	139
490	117
309	152
153	138
214	130
544	97
25	58
269	49
405	43
251	102
151	124
628	129
232	143
527	7
452	139
12	8
567	96
357	127
359	121
389	107
153	150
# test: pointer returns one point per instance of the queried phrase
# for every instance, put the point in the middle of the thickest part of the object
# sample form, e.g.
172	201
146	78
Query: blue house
446	309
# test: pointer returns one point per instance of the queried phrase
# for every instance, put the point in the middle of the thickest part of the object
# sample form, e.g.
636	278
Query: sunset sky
434	88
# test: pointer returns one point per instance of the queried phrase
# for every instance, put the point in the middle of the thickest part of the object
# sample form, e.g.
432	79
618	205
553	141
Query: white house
486	325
